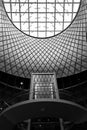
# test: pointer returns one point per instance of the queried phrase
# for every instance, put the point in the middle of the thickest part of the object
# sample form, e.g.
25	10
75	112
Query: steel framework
41	18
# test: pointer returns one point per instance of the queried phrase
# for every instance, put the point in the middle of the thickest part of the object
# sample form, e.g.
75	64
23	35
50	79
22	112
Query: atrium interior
43	65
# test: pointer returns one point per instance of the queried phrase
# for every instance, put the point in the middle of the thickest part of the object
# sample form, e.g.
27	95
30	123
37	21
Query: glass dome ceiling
41	18
65	54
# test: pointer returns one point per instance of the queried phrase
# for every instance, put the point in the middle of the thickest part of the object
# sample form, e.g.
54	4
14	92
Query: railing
42	90
25	96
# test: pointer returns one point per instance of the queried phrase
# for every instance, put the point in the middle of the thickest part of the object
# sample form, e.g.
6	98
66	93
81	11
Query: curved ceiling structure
65	53
41	18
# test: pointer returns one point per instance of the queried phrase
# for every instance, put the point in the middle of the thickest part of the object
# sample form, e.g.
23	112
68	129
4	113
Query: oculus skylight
41	18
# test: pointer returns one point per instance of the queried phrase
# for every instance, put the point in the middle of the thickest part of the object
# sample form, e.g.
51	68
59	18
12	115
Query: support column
29	124
29	121
61	124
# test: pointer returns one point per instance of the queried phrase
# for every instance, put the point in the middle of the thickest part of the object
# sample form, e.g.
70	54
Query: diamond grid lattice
65	54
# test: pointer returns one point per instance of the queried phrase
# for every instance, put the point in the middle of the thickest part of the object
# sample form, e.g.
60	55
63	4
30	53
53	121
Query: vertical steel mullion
63	14
37	20
54	17
20	13
11	9
46	21
28	17
86	22
72	9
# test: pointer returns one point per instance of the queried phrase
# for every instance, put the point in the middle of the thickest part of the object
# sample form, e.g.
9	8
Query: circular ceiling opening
41	18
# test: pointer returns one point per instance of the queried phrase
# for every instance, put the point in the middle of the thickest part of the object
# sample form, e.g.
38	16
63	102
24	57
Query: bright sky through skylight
41	18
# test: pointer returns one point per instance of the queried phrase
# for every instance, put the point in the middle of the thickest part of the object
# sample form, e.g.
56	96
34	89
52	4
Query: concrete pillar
61	124
29	124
